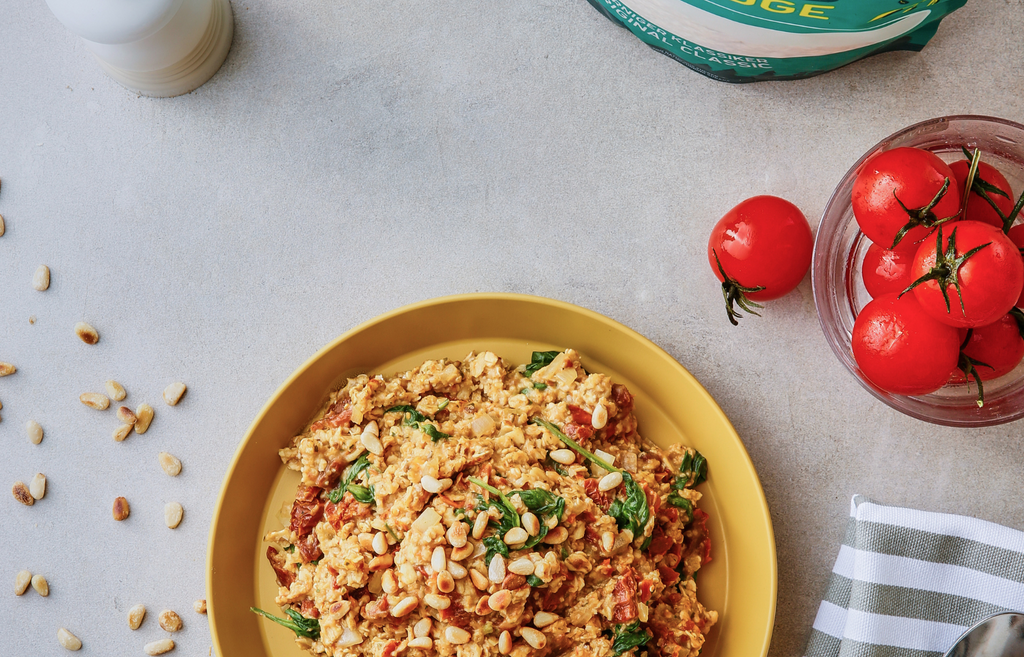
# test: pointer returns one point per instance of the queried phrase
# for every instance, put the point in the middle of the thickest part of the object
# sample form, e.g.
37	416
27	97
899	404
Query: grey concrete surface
350	158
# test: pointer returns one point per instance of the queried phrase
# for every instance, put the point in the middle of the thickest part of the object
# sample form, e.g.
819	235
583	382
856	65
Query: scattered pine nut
423	627
6	369
421	642
41	586
122	432
34	431
121	511
515	536
136	615
170	621
609	481
199	606
3	226
173	393
41	278
115	390
22	494
144	413
159	647
96	400
68	640
563	456
126	415
599	418
505	643
21	582
172	514
86	333
172	466
405	606
535	638
37	487
457	635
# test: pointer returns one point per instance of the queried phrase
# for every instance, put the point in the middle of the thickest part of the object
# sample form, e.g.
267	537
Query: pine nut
458	554
513	581
578	531
457	570
37	487
521	567
457	635
422	627
170	621
438	561
563	456
96	400
430	484
551	522
170	464
421	642
22	494
159	647
199	606
68	640
136	615
643	612
372	443
458	535
41	586
126	415
599	418
515	536
86	333
556	536
144	413
405	606
505	643
389	582
479	550
535	638
115	390
624	538
609	481
6	369
174	392
34	432
500	600
438	602
372	427
380	543
21	582
382	562
531	523
41	279
496	571
481	608
172	514
445	582
3	226
608	541
480	525
478	579
544	618
122	432
121	509
365	541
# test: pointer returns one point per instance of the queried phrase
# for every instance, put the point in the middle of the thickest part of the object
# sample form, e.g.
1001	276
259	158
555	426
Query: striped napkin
908	583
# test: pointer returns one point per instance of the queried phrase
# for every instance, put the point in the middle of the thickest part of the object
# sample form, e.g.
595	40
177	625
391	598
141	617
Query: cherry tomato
977	208
979	258
999	346
910	176
901	348
1016	236
760	250
886	271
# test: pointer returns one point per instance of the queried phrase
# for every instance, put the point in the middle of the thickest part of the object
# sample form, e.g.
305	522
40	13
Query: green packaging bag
751	40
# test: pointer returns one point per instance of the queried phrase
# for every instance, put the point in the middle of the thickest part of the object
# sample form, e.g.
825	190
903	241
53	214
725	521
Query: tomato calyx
969	366
983	188
736	293
945	271
922	216
1018	316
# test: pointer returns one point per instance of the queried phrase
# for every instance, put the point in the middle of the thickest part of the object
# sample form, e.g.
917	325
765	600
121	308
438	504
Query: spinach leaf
361	493
417	420
693	471
628	637
539	360
680	502
509	519
544	505
433	432
494	546
533	580
302	626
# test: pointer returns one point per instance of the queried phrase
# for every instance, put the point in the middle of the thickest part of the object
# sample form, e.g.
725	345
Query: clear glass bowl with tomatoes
848	270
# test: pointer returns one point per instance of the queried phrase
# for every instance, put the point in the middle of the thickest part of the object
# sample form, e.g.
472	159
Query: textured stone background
350	158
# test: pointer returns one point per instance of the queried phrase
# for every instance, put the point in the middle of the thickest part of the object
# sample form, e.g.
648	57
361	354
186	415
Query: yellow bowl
740	582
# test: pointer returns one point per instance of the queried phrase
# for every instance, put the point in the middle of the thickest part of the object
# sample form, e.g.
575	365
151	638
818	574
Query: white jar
154	47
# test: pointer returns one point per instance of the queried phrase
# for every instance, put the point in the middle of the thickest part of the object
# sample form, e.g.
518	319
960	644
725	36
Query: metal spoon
1001	635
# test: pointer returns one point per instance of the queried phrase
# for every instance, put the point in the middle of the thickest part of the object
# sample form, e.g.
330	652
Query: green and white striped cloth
908	583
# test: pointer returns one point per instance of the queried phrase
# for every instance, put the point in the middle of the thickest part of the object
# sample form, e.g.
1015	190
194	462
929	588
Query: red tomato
977	208
886	271
990	279
998	345
1016	236
902	349
910	176
764	246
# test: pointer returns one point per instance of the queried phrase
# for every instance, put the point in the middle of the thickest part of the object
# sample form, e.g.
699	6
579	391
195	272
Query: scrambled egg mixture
475	508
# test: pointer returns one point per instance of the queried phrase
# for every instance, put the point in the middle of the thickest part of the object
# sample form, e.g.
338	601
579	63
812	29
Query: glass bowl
839	249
